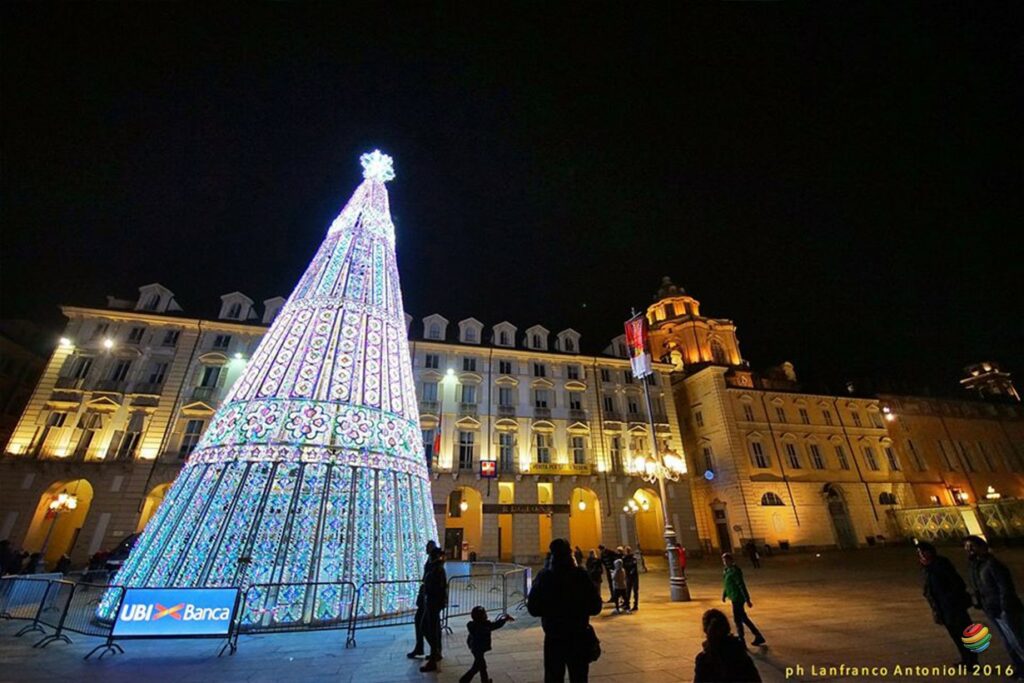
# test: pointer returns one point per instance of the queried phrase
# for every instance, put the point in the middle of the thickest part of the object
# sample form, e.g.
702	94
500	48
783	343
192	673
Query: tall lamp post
62	502
660	466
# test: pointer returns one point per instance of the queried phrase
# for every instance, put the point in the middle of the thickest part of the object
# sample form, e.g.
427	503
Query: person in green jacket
734	589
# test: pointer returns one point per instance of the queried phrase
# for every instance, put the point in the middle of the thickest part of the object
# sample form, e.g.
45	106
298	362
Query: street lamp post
659	468
62	502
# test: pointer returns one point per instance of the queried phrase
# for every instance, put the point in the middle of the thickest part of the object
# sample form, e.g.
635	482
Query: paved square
861	608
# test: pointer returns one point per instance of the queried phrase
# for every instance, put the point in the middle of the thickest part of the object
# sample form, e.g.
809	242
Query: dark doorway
453	544
722	526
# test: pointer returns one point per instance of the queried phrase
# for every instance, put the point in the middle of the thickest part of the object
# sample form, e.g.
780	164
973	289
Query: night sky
844	183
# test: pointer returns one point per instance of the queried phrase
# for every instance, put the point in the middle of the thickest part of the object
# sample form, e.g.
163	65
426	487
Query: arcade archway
59	531
650	523
464	522
153	500
584	519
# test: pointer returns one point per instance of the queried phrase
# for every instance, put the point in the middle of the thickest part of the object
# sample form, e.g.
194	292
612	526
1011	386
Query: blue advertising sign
176	612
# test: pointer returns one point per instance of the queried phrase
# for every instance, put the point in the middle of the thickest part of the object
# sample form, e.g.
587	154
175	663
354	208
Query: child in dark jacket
479	641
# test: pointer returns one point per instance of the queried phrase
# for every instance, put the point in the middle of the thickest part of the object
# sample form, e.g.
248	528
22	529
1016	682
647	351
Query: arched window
771	499
886	498
718	353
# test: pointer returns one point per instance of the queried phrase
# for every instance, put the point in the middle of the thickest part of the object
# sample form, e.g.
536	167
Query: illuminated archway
584	519
464	513
63	528
650	523
153	500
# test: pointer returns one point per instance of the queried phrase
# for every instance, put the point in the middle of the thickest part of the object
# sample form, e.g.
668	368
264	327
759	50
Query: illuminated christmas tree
313	468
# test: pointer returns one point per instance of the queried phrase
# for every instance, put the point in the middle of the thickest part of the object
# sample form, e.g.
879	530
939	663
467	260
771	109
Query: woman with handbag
565	598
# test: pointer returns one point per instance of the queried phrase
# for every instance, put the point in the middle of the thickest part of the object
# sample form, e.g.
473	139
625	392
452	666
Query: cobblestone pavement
861	608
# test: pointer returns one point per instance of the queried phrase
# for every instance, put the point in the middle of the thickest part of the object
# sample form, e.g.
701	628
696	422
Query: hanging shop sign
562	468
176	613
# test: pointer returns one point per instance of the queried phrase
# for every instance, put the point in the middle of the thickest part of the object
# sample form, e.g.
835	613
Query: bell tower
680	335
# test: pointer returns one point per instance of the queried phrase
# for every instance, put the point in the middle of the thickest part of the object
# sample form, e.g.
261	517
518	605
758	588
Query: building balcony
577	414
612	416
112	386
660	418
467	409
69	383
506	411
429	408
541	413
204	393
636	417
148	388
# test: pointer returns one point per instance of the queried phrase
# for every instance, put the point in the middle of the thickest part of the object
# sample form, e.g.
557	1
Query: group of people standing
991	590
620	568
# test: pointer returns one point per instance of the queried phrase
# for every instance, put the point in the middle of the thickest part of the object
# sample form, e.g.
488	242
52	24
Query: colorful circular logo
976	637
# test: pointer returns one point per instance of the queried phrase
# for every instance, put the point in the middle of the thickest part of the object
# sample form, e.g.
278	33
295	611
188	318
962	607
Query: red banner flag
636	342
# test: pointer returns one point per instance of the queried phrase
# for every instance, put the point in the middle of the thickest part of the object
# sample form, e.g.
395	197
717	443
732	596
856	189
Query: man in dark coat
435	599
565	598
418	623
948	597
995	594
632	577
608	557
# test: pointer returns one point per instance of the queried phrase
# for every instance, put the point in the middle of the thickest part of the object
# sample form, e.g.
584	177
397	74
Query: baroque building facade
527	438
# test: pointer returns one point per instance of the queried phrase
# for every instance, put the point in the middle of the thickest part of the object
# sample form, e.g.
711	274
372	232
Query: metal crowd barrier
62	605
281	607
373	594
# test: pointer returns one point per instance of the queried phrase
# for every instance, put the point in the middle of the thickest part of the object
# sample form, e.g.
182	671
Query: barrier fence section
398	596
280	607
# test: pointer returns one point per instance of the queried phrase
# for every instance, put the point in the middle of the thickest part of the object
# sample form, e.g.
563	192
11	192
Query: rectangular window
468	393
469	364
579	451
698	417
222	341
543	448
504	367
627	376
890	455
158	373
432	360
506	451
869	458
844	464
572	371
466	450
817	462
430	391
606	375
575	400
82	366
540	398
171	337
193	430
709	459
985	456
100	330
211	374
505	397
428	444
632	405
793	456
616	453
539	370
876	419
804	417
609	404
856	418
56	419
758	454
135	335
780	414
946	457
968	456
919	463
827	415
748	412
120	371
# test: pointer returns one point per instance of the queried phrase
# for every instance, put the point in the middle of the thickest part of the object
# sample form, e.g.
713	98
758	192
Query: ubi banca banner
175	612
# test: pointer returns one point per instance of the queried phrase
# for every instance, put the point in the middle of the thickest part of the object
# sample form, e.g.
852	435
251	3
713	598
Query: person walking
947	594
479	641
435	599
735	589
417	650
632	577
621	583
564	598
723	657
608	561
751	550
578	556
994	593
595	570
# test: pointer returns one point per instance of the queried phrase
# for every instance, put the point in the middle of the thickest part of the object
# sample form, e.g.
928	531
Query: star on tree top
377	166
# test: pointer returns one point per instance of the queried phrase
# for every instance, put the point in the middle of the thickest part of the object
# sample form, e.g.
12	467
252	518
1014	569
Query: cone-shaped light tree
313	469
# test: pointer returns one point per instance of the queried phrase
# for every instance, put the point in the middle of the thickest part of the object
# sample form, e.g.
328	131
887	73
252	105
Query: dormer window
152	303
434	332
235	311
470	334
570	345
503	338
536	341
